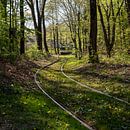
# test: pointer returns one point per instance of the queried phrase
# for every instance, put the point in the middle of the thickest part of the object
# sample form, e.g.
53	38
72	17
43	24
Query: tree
72	12
44	27
22	21
38	19
128	9
51	17
93	56
109	30
4	41
128	15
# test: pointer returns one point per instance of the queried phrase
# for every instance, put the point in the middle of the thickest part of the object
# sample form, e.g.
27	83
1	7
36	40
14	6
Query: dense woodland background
87	27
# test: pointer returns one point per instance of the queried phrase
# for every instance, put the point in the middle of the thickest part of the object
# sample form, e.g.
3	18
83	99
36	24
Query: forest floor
99	111
112	78
23	106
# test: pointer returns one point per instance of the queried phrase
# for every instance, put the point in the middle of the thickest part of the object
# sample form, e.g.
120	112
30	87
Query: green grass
110	77
99	111
26	109
30	110
120	57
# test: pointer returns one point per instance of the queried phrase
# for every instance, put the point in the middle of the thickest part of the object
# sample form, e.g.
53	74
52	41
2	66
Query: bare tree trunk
57	37
37	25
54	39
84	31
79	36
44	37
128	13
109	37
44	29
107	42
10	27
93	56
128	10
39	37
73	36
39	31
22	21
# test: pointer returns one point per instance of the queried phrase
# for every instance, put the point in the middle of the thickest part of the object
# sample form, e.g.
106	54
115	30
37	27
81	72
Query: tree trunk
93	56
79	37
107	42
44	31
109	36
128	10
44	37
57	38
73	37
22	21
84	31
75	45
39	37
37	25
54	39
39	33
4	3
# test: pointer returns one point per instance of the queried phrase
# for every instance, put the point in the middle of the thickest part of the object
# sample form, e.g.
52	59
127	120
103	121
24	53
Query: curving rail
90	88
58	104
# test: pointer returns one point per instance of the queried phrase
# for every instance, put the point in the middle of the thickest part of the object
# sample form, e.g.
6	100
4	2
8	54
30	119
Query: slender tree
128	13
44	27
22	22
109	36
37	21
128	10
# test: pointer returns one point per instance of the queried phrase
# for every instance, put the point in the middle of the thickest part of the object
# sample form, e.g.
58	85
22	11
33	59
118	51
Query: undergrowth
97	110
30	110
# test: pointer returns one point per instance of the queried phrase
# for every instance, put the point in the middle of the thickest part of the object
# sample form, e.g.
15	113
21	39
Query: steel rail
90	88
58	104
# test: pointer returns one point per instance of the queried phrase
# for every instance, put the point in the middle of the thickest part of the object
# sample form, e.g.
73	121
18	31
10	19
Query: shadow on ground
100	111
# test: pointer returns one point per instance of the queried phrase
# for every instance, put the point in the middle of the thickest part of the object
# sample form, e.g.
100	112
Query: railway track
79	83
58	104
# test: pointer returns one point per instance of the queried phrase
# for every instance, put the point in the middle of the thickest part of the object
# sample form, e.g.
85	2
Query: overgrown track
80	84
92	89
62	107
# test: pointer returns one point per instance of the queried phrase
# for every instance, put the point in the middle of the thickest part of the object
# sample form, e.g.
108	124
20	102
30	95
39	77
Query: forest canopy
93	27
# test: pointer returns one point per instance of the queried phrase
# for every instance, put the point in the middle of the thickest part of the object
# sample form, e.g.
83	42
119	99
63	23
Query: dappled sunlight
82	102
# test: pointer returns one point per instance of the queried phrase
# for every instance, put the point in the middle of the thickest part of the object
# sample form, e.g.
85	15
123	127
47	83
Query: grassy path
26	110
57	103
24	107
99	111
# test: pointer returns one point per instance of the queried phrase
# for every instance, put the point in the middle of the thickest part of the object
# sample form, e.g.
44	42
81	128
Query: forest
64	64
